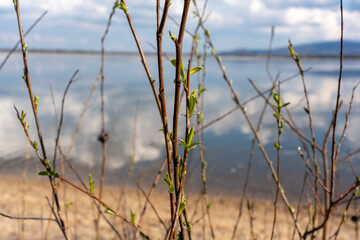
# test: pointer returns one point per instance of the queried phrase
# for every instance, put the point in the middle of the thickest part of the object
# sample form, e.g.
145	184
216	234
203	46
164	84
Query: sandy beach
20	198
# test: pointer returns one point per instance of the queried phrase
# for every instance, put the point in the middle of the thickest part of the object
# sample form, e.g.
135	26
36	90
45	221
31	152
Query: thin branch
247	101
27	218
336	111
25	34
261	147
108	209
34	104
151	191
152	206
72	79
143	59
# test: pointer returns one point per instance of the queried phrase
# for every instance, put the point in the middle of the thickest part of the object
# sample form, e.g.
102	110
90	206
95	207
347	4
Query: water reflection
227	142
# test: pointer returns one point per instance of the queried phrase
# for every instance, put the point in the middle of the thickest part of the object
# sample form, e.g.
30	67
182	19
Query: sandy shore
21	198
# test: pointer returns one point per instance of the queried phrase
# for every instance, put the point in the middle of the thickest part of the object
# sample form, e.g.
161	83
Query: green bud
25	48
124	8
36	101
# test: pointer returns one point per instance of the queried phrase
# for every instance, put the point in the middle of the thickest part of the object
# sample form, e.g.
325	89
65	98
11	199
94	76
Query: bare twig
72	79
336	111
34	104
151	191
25	34
108	209
247	177
27	218
104	136
152	206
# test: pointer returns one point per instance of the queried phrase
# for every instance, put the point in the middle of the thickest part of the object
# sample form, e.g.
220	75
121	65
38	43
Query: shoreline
28	199
224	55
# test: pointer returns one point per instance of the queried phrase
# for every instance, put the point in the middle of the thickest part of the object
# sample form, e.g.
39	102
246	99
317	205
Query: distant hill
319	49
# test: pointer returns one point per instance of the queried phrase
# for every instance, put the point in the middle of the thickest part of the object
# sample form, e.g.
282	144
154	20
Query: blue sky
79	24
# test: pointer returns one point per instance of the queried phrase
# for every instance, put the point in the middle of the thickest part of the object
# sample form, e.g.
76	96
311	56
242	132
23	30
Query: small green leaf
184	81
356	192
306	110
23	115
171	134
44	173
281	124
201	117
48	164
133	215
172	37
236	100
35	145
182	205
36	101
116	4
285	104
192	102
276	98
201	89
209	205
181	165
189	227
26	126
190	135
110	212
182	71
291	209
15	2
277	146
173	62
68	203
25	48
49	173
193	145
276	115
124	8
184	144
293	54
194	70
282	192
143	235
169	183
91	182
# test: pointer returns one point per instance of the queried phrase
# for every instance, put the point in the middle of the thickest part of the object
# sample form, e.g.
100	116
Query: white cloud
9	37
256	6
49	39
6	4
232	2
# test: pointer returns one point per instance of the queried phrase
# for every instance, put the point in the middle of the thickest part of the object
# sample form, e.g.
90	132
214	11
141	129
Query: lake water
227	143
